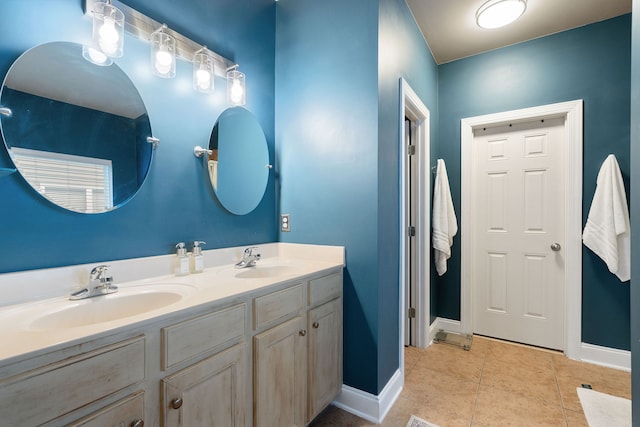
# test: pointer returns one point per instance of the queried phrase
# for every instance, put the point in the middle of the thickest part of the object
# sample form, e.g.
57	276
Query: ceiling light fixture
498	13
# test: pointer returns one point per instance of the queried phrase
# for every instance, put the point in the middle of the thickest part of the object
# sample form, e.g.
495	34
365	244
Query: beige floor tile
336	417
534	381
518	355
495	407
439	397
575	419
572	374
453	360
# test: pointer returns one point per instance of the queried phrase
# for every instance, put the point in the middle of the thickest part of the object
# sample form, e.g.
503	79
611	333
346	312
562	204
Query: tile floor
495	384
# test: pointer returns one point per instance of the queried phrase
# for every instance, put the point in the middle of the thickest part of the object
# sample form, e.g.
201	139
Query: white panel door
518	208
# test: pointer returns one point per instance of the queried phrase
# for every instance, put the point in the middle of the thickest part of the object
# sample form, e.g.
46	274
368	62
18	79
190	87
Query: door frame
411	106
572	111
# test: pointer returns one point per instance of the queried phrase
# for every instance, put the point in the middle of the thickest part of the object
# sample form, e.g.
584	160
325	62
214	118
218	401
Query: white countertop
218	282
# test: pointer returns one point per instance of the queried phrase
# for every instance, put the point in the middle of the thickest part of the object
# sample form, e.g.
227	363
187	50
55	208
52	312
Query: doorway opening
570	114
415	224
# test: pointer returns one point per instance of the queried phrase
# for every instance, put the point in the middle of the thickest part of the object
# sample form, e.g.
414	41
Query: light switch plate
285	222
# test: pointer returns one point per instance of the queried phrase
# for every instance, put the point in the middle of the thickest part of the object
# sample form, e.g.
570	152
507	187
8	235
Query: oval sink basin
126	302
261	272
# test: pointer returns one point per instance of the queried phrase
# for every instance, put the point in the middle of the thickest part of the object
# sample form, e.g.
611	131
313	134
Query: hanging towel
445	224
608	230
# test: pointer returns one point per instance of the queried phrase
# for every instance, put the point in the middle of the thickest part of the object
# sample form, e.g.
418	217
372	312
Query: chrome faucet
99	284
249	258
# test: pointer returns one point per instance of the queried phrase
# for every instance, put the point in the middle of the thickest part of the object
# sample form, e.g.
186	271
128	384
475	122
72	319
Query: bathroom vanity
258	346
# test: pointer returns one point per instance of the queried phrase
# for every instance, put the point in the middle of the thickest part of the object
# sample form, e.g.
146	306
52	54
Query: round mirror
76	131
239	161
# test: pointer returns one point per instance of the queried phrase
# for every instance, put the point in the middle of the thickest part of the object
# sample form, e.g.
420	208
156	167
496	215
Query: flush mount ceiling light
498	13
163	53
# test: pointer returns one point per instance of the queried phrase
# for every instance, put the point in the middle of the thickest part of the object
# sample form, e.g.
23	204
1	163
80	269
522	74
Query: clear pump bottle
181	267
197	259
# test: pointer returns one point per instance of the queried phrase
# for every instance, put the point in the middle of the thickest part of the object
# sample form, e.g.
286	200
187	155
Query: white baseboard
605	356
444	324
590	353
369	406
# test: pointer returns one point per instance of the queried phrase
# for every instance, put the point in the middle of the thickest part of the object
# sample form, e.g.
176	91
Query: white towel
608	230
445	224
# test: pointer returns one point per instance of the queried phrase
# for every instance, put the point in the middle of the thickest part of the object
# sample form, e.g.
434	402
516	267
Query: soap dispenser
182	262
197	259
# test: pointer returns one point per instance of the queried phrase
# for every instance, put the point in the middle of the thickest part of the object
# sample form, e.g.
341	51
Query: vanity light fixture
498	13
167	44
236	90
203	70
108	30
163	53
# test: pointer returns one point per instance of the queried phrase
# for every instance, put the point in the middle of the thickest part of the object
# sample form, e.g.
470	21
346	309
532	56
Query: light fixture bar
141	26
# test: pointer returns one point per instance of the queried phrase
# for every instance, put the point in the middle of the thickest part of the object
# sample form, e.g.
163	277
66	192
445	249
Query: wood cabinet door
279	380
324	369
209	393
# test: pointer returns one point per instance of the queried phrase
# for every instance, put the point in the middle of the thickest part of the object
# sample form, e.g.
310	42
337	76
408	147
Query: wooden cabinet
279	381
42	394
298	363
324	366
209	393
128	412
277	363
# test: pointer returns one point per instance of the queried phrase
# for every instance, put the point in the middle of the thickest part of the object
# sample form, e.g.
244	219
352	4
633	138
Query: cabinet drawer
43	394
325	288
125	412
194	337
272	308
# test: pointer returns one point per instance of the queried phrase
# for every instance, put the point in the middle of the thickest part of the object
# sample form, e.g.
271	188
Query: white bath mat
604	410
419	422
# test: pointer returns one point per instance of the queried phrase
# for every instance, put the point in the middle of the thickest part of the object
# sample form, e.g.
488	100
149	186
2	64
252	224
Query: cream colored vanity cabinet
279	358
324	353
49	389
212	391
297	351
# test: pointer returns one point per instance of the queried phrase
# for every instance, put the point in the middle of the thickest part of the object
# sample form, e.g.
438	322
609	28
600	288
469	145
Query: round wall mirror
238	165
76	131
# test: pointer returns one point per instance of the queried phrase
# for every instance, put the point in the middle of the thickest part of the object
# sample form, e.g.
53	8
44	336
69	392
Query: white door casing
413	108
572	249
517	197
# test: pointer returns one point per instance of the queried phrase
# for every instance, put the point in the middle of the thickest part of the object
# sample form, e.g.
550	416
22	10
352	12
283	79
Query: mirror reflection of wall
78	132
238	166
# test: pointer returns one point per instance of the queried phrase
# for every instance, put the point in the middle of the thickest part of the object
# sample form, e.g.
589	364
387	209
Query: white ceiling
450	29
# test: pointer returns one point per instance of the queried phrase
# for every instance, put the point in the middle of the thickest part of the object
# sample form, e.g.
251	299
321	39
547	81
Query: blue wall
590	63
176	202
336	138
635	209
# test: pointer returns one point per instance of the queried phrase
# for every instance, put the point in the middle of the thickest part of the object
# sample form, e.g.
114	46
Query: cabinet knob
303	333
176	403
316	325
137	423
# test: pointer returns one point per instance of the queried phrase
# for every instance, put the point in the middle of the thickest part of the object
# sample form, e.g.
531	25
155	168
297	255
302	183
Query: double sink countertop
37	315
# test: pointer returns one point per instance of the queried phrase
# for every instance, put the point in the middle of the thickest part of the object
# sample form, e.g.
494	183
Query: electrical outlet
285	222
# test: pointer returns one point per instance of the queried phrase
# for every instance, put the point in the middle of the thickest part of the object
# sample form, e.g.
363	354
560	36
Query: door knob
556	247
176	403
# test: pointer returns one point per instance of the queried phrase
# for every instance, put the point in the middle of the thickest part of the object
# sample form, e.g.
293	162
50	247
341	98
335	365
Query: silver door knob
556	247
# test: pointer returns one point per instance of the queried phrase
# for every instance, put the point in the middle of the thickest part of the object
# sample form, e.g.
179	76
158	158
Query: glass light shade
108	29
95	56
203	72
498	13
236	90
163	54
